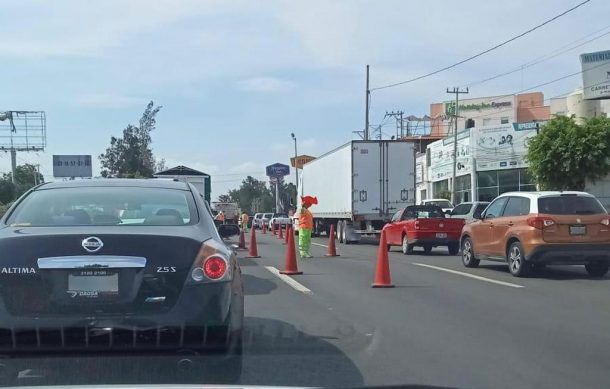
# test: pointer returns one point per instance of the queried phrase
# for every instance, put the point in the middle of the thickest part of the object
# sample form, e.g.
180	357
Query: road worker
306	225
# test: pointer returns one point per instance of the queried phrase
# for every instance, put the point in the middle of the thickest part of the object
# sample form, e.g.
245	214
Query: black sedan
118	265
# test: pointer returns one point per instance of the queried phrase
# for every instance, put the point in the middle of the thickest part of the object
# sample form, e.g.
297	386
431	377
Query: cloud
265	84
108	101
309	143
248	168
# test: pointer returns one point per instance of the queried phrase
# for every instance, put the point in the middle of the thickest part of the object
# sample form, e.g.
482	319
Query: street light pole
296	170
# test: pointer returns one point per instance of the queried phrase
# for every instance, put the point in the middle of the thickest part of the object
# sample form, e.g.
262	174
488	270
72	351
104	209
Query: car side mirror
448	212
477	216
228	230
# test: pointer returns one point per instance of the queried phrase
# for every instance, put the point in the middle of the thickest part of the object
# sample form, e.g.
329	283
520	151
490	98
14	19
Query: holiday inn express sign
450	106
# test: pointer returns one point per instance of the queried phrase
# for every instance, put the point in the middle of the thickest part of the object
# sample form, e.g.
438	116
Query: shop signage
450	106
502	147
596	75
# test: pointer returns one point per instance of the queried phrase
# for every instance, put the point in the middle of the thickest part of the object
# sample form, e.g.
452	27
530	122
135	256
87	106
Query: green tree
131	156
252	196
7	190
565	154
26	177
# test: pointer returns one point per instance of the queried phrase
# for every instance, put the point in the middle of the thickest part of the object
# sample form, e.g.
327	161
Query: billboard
299	161
596	75
72	166
503	146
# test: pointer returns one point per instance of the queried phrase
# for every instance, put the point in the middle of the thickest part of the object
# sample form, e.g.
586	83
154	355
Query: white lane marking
289	280
470	275
319	244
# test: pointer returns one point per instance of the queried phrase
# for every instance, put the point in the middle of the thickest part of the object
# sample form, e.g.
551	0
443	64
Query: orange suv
532	229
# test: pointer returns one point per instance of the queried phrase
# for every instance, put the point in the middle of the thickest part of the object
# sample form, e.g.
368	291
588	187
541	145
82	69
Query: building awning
181	171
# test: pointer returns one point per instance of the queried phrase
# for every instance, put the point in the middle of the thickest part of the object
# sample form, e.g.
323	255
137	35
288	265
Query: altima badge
92	244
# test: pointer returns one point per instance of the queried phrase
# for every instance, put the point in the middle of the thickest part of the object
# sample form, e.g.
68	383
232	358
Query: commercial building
491	144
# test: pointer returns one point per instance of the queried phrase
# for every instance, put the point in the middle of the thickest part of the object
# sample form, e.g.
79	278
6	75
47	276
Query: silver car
469	211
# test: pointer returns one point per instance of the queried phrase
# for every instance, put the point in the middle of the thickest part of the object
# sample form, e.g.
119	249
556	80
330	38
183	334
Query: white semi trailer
359	186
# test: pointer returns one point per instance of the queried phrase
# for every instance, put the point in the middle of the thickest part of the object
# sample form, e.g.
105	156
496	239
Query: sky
236	78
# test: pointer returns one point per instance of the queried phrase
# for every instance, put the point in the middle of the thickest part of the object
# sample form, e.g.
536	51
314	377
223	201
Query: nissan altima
115	264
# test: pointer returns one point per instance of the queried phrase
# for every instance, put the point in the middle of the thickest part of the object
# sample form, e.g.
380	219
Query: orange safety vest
306	219
221	217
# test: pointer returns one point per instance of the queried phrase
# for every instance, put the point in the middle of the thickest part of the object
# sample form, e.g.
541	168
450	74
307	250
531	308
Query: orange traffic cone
264	229
382	273
242	240
253	252
280	235
332	250
290	268
288	231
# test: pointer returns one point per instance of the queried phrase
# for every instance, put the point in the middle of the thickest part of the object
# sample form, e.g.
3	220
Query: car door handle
491	225
510	224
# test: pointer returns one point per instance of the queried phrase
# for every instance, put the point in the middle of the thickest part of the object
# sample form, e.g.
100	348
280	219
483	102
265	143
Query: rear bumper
204	316
570	254
434	241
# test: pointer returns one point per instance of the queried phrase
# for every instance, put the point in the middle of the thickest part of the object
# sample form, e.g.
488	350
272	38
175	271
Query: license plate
441	235
93	284
578	230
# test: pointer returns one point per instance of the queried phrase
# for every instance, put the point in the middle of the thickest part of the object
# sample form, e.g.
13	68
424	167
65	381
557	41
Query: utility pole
402	128
367	106
457	93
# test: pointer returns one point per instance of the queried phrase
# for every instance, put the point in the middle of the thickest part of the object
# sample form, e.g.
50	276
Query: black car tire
454	249
427	249
468	257
407	248
598	269
517	265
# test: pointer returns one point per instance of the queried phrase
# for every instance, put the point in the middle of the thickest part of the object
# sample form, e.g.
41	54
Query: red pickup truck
425	226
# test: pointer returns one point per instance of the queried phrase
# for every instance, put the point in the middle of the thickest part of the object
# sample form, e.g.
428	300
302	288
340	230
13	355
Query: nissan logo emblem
92	244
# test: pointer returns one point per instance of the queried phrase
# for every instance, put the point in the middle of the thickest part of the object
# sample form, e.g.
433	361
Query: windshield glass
102	206
569	205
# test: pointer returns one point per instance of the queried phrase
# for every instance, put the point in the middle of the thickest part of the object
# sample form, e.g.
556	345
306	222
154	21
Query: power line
536	61
485	51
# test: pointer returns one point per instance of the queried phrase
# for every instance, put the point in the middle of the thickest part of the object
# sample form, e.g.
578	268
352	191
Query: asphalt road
441	325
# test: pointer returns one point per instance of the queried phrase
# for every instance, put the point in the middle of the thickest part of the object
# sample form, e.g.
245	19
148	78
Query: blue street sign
278	170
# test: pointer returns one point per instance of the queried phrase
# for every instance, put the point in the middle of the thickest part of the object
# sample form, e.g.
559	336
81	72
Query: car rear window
102	206
423	212
570	205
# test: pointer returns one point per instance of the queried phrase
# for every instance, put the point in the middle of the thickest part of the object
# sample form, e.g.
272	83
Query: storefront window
463	189
488	194
439	187
508	181
493	183
486	179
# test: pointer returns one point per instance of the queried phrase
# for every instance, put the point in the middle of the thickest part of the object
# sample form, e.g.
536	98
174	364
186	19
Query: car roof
116	182
436	200
549	193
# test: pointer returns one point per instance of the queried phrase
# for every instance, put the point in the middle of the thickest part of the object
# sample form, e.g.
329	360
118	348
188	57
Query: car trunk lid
94	270
576	229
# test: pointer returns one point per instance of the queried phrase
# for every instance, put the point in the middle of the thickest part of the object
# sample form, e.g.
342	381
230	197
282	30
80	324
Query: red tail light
417	224
214	267
606	221
540	222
